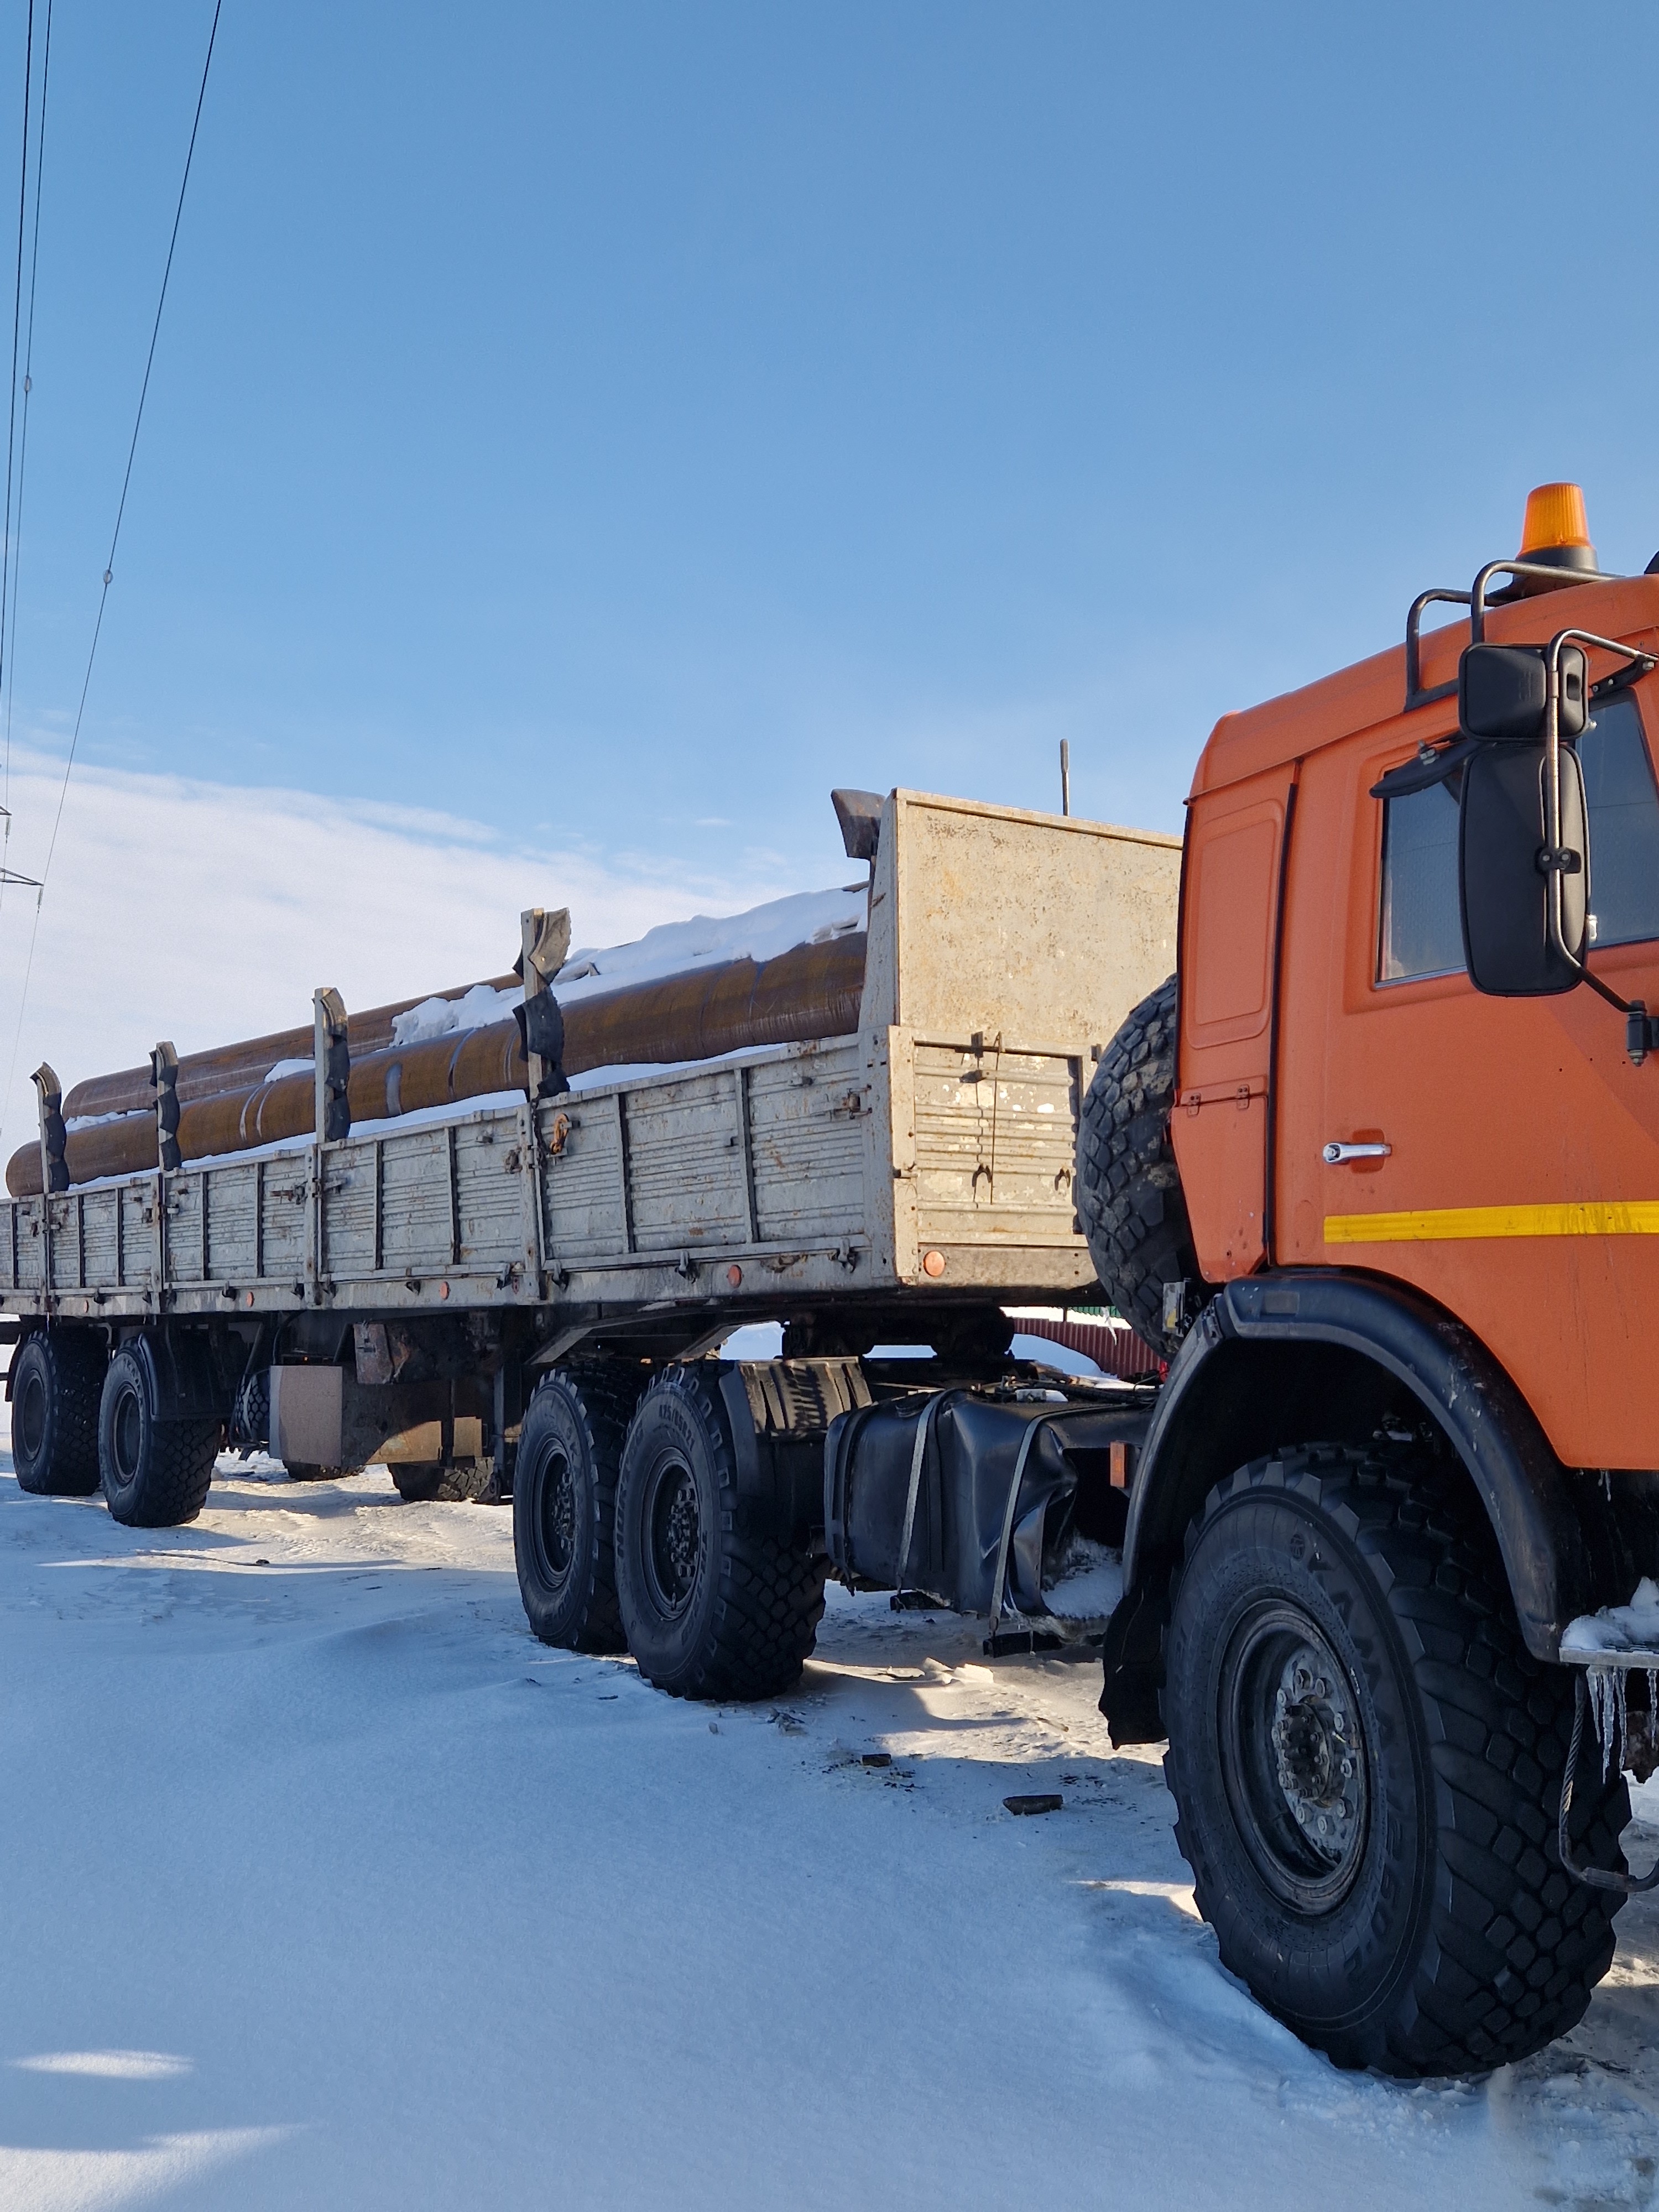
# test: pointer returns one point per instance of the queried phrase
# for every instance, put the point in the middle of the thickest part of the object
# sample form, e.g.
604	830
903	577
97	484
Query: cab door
1229	950
1518	1184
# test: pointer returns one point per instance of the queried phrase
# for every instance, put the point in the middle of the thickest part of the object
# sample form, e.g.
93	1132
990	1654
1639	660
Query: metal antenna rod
1065	775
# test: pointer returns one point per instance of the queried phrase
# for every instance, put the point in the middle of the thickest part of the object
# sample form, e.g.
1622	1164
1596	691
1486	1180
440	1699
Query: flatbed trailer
930	1157
504	1300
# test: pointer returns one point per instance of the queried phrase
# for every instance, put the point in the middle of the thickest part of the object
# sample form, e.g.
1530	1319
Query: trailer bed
930	1153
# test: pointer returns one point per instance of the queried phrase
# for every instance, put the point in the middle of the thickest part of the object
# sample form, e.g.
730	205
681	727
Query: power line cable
11	407
16	530
109	565
17	318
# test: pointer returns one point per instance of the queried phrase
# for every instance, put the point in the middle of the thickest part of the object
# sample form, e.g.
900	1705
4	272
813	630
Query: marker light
1556	531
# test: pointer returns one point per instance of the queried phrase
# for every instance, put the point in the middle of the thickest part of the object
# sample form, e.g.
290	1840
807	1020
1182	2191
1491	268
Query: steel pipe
812	991
236	1067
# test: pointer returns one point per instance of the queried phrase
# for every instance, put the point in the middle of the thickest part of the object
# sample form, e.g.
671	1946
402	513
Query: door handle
1335	1156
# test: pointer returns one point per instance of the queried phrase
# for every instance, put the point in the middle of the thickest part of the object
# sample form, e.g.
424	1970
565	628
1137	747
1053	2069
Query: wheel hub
1317	1768
127	1434
29	1416
558	1518
1293	1756
676	1536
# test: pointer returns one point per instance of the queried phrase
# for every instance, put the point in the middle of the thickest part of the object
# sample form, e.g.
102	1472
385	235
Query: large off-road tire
1128	1187
712	1606
57	1377
302	1470
155	1473
564	1506
462	1482
1367	1764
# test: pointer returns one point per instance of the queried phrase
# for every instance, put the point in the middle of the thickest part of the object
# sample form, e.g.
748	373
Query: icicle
1607	1697
1622	1691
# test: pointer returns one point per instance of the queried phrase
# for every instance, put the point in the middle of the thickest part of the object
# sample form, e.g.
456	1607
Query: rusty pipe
237	1066
812	991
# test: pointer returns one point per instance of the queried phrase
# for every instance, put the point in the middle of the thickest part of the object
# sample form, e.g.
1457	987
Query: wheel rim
674	1535
127	1434
555	1518
29	1415
1294	1757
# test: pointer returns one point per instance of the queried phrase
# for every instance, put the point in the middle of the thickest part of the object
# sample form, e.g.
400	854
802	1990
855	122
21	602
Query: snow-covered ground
325	1885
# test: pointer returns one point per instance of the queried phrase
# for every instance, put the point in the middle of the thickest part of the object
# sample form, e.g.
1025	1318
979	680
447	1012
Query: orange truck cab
1379	1170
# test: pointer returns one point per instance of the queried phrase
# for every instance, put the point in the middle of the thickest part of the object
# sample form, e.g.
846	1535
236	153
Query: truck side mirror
1503	692
1504	865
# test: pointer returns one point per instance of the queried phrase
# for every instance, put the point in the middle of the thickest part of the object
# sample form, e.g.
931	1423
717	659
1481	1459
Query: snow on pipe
809	992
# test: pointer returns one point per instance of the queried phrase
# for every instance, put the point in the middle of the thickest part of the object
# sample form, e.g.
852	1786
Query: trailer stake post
54	1167
332	1050
545	939
164	1075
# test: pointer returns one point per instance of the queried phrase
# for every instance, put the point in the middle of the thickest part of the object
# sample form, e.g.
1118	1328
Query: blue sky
616	424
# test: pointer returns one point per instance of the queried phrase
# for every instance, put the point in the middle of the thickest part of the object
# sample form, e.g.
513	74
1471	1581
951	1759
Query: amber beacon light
1556	532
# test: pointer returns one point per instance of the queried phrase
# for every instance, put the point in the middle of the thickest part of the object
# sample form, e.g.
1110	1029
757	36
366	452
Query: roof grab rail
1476	601
1415	694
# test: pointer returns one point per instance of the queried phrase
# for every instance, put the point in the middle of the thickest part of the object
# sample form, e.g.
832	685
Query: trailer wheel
564	1507
156	1471
1367	1763
713	1607
56	1379
1128	1187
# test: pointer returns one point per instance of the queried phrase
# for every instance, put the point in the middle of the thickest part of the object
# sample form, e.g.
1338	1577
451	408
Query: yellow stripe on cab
1589	1217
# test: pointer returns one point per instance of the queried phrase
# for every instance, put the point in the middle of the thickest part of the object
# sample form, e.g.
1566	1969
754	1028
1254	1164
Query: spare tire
1128	1187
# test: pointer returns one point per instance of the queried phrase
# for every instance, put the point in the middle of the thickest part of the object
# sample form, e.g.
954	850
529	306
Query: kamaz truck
1375	1171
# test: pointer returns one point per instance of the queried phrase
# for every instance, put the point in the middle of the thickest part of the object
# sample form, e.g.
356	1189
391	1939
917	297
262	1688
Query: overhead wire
15	531
11	409
115	539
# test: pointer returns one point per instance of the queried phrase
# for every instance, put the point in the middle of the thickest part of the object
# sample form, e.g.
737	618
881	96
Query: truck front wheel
1366	1762
713	1604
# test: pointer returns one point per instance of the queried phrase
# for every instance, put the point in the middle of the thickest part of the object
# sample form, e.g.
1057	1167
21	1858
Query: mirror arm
1427	769
1622	679
1641	1027
1553	858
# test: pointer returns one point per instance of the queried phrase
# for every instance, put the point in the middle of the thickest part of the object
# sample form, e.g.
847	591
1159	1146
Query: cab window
1421	933
1422	930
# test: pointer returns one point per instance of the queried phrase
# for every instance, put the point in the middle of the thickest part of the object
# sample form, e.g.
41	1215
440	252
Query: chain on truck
1376	1171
